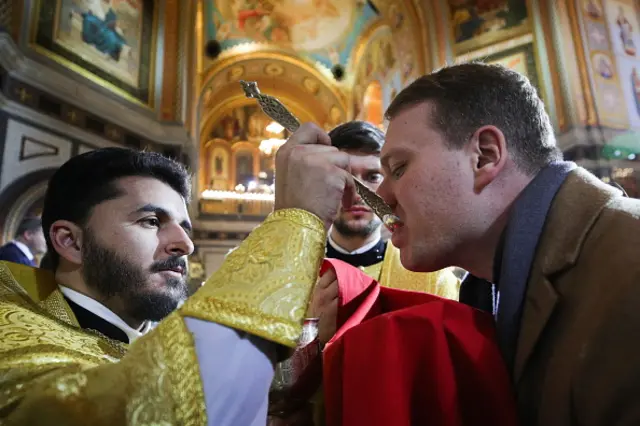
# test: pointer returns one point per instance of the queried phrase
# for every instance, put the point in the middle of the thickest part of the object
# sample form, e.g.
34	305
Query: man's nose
385	192
180	244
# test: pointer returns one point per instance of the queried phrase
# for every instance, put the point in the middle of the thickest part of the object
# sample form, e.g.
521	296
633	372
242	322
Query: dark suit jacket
12	253
578	354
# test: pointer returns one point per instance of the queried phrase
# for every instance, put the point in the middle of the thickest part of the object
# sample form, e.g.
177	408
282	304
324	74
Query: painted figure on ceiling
304	24
626	33
250	9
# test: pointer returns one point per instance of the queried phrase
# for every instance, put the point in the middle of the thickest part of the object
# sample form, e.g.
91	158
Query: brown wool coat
578	354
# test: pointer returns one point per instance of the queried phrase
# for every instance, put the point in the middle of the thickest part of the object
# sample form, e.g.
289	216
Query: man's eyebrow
161	211
372	170
384	160
399	152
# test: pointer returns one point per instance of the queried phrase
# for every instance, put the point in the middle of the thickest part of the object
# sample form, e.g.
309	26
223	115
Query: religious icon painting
478	23
597	33
111	42
603	66
520	59
629	72
623	27
217	164
592	9
220	163
611	113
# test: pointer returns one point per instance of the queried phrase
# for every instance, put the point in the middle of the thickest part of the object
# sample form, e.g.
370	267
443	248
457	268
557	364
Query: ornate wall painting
597	35
232	156
245	173
218	163
247	123
379	58
608	91
110	42
623	27
593	9
602	65
326	31
516	62
383	63
624	33
520	59
629	73
478	23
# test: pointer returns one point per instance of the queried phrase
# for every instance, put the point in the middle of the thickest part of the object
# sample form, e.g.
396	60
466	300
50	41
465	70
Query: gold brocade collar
56	305
27	284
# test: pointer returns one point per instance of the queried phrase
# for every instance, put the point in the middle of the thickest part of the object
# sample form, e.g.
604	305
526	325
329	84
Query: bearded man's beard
344	228
111	274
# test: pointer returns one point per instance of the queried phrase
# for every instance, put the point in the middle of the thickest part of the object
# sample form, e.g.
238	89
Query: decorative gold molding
16	18
534	10
275	55
423	39
585	83
442	33
170	62
552	53
193	51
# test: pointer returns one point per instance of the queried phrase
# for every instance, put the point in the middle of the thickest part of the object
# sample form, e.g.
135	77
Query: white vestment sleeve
236	369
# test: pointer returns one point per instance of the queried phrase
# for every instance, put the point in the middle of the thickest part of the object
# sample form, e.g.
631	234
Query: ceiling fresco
324	31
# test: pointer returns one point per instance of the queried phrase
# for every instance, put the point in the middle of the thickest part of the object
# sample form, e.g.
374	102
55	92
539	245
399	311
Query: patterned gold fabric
54	373
263	287
391	273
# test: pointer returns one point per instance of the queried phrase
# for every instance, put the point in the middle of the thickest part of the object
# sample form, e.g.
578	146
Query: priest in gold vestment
118	232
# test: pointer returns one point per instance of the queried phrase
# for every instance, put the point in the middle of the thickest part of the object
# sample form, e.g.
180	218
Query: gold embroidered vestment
53	372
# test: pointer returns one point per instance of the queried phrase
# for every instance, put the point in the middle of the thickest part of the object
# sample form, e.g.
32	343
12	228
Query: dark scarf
521	237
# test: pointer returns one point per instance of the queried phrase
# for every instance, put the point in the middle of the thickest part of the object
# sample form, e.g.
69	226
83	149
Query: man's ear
489	155
66	239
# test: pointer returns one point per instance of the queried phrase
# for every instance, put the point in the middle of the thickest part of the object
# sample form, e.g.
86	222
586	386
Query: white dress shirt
365	248
106	314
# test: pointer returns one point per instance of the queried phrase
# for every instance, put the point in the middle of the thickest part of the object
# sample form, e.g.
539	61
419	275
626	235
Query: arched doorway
237	141
23	198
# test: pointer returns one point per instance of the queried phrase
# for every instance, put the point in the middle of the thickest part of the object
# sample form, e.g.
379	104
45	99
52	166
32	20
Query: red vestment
406	358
